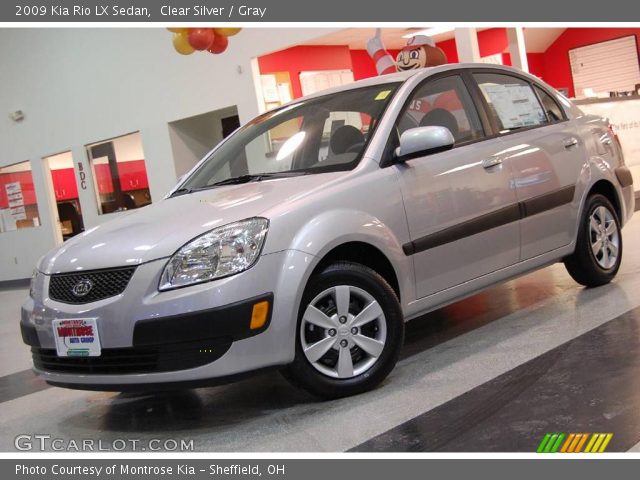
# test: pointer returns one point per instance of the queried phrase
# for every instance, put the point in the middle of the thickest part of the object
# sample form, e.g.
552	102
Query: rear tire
349	334
598	252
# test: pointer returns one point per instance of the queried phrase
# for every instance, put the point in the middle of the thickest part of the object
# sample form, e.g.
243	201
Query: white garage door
605	67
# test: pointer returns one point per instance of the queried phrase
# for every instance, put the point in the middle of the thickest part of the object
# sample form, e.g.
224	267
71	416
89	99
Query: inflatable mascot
420	51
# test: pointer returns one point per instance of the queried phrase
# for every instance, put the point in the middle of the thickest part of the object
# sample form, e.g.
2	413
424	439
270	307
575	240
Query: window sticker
516	105
382	95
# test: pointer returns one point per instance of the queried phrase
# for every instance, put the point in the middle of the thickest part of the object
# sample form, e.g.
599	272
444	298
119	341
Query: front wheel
350	331
599	245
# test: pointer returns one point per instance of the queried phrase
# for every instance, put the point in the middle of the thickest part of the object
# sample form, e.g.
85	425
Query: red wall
557	69
490	42
552	66
362	65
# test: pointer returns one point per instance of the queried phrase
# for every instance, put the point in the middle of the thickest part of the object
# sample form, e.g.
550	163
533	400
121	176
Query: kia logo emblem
82	288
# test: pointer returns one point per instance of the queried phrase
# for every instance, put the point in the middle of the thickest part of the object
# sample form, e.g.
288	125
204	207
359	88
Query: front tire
598	253
349	334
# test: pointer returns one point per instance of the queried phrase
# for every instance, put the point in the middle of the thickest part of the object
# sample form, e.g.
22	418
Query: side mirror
421	141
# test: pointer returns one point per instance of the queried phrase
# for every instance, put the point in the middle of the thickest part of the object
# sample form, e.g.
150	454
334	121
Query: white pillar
517	48
467	45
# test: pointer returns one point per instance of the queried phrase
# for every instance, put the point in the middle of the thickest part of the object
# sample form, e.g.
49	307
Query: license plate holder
77	337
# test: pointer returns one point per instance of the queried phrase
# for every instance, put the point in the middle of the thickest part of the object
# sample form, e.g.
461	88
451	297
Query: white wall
84	85
191	138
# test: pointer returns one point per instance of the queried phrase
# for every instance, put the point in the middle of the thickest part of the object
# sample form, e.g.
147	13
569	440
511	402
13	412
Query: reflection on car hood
158	230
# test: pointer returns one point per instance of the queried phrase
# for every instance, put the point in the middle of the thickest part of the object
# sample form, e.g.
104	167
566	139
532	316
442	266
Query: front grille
131	360
104	284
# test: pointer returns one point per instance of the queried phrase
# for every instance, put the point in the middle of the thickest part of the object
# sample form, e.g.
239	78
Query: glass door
65	190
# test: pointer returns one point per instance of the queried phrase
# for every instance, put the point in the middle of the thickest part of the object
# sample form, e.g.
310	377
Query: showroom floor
494	372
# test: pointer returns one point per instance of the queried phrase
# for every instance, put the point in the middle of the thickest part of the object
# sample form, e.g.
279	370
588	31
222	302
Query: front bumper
186	336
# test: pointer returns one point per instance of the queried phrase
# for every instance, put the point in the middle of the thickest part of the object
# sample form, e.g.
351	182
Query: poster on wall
16	201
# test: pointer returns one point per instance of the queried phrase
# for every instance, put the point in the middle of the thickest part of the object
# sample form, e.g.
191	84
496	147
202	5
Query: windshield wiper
257	177
181	191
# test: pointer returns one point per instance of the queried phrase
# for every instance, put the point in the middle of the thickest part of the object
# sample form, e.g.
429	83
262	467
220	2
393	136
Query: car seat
346	139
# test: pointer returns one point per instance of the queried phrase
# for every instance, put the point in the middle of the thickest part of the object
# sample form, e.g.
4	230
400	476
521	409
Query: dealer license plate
77	337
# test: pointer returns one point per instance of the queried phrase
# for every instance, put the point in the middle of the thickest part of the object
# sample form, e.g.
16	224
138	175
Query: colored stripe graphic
543	443
574	442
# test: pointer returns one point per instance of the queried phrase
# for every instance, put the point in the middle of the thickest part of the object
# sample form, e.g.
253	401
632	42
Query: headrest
439	117
344	138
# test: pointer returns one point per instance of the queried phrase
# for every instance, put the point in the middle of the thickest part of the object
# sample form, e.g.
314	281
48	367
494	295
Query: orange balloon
227	32
181	44
177	29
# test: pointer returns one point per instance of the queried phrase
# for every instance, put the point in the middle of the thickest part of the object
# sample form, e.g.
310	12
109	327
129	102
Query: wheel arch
607	189
365	254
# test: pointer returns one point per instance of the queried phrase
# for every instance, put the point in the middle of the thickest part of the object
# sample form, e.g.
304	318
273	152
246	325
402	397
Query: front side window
443	102
327	133
551	107
18	203
512	102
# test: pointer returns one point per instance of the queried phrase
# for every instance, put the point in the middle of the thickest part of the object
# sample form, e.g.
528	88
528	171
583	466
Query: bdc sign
82	175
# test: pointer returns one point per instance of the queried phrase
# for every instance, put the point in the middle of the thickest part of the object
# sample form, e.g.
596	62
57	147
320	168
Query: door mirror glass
421	141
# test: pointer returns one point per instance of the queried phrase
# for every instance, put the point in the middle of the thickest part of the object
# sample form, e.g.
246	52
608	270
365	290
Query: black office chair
67	212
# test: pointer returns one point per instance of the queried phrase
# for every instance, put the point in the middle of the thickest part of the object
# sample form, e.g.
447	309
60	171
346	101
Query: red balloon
201	38
219	44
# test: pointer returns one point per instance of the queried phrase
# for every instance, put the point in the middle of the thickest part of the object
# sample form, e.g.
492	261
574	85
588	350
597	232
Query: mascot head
419	52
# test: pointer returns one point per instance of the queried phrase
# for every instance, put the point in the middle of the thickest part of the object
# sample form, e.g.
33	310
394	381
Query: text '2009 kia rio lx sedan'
307	238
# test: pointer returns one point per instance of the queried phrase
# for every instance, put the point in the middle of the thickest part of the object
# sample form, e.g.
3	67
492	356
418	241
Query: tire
585	266
320	326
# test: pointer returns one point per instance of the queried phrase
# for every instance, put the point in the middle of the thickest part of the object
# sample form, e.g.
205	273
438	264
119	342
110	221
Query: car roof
402	77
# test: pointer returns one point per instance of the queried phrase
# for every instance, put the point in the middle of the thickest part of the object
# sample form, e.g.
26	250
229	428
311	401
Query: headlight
224	251
32	283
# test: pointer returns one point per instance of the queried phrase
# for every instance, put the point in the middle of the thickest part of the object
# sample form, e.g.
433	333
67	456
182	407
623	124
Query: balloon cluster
214	40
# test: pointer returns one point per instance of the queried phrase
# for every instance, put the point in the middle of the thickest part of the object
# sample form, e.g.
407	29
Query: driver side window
443	102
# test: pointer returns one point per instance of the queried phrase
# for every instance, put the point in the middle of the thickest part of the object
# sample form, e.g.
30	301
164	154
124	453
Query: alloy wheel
343	331
605	237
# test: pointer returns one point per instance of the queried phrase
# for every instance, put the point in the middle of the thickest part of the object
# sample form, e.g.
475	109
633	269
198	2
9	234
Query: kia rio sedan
307	238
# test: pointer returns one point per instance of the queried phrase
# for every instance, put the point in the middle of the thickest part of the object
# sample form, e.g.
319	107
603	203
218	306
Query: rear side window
512	102
443	102
551	107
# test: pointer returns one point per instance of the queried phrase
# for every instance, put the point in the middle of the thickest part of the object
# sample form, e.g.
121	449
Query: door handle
491	162
570	142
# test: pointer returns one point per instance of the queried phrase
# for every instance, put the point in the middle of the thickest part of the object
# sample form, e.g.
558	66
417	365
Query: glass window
512	101
443	102
18	203
326	133
120	173
551	107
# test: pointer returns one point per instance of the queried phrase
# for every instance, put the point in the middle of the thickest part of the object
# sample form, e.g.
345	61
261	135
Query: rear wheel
350	331
599	245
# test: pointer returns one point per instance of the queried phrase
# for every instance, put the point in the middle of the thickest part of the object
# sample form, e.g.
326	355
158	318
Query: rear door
460	207
544	152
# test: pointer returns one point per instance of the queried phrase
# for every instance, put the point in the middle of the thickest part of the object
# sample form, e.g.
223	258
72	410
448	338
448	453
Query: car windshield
323	134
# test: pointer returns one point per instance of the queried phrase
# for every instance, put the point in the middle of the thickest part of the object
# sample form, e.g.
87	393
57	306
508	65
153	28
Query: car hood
158	230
